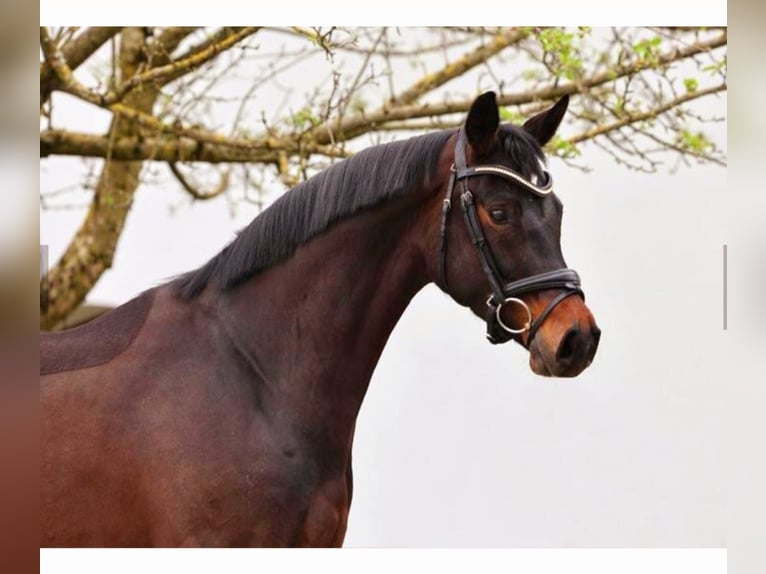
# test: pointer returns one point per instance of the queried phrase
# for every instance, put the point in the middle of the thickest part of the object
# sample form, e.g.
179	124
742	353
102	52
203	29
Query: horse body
219	409
252	446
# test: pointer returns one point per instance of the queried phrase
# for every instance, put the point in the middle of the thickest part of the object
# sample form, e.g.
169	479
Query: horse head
502	258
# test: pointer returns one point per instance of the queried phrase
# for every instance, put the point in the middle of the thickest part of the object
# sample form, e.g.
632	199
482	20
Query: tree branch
187	144
365	122
631	118
178	67
172	148
64	77
74	53
193	191
68	83
497	44
222	35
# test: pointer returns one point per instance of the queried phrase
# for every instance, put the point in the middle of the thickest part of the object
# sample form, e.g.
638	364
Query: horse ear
482	123
544	125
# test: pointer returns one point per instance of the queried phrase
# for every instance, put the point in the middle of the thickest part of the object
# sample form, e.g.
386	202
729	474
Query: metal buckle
517	301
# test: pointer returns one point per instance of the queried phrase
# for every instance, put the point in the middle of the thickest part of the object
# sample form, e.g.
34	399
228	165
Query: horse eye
498	215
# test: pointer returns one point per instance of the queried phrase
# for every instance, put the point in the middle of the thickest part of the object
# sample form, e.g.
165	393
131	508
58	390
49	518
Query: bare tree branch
173	148
631	118
498	43
178	67
74	53
65	79
363	123
221	36
192	190
163	74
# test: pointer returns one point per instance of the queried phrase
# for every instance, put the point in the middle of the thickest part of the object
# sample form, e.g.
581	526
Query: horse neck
315	325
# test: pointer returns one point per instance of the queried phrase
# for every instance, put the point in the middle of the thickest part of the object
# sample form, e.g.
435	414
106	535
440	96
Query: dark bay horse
219	409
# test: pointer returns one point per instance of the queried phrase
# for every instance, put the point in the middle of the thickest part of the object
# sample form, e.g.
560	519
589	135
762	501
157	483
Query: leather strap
446	207
558	279
479	240
548	308
501	171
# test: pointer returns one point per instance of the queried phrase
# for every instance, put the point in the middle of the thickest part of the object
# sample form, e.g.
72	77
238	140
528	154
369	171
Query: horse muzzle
564	352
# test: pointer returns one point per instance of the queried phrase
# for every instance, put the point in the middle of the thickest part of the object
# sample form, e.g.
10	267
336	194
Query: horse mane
363	181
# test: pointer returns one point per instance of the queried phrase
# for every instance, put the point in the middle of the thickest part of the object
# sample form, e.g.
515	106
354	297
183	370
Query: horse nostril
568	345
596	334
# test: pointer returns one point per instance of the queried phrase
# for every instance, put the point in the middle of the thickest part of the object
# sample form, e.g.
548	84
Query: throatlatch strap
446	207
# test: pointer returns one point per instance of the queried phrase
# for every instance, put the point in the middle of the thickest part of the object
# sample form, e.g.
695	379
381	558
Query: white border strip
392	13
385	561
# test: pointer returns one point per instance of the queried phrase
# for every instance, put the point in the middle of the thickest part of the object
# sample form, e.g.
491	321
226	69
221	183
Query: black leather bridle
502	293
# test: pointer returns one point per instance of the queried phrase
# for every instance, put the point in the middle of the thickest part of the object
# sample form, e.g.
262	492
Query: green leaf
303	117
648	49
619	105
696	142
560	45
715	68
509	116
691	85
563	148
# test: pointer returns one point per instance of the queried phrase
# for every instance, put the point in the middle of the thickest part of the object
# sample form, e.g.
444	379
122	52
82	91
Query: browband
507	173
462	171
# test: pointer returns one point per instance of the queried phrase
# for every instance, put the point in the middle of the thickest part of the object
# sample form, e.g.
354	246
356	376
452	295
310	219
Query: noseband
503	293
